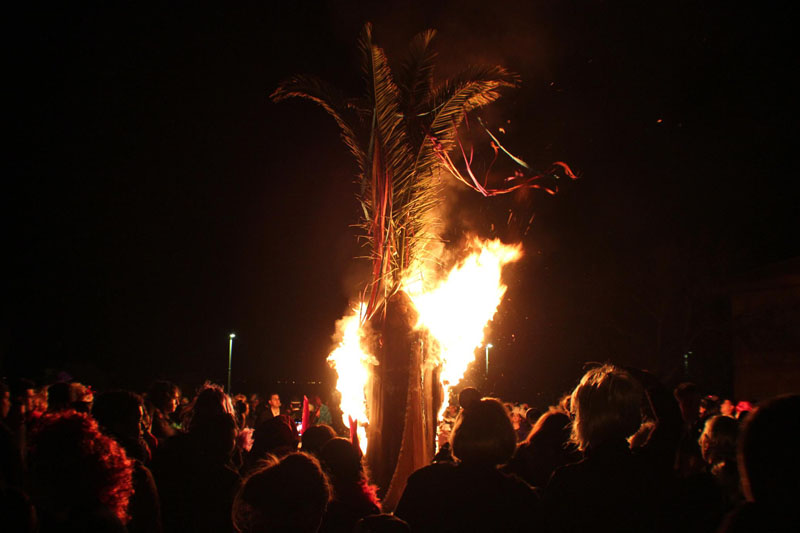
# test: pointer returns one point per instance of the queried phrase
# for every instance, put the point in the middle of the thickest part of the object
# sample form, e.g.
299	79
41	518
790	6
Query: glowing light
352	366
454	308
457	309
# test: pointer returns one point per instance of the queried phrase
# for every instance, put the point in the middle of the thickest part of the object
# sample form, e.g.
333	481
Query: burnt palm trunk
404	398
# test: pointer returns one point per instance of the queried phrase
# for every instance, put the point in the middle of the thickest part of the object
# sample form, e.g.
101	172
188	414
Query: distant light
490	345
232	335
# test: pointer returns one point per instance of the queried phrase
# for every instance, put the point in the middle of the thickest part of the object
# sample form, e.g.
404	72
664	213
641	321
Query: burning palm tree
401	133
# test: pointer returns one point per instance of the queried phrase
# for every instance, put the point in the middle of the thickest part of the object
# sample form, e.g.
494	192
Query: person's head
743	408
81	397
468	396
689	401
165	396
210	401
532	415
255	400
709	406
552	430
275	436
718	440
274	401
606	406
286	496
517	416
315	437
483	434
240	406
769	464
120	412
727	408
74	465
58	397
342	461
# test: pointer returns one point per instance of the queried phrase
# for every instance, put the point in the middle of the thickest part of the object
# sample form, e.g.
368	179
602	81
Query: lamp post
230	357
487	358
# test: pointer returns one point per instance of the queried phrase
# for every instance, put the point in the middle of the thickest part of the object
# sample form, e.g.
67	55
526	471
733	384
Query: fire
455	309
352	366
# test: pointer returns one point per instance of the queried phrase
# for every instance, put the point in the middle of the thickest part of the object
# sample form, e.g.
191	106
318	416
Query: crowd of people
621	452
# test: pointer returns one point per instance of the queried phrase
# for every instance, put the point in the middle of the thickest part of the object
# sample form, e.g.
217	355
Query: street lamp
230	357
487	358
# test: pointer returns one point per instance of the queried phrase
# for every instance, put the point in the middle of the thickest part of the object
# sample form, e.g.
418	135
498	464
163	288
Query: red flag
304	421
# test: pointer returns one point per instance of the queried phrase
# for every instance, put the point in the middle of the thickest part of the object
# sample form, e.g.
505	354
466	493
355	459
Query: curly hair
74	462
289	494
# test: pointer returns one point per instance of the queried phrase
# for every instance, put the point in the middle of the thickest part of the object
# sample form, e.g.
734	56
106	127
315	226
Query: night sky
156	200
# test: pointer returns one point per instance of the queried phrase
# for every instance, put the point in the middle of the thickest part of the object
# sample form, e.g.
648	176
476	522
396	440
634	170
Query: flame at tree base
454	309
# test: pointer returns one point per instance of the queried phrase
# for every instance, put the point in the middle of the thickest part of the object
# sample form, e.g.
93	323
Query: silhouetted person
688	460
613	489
119	414
193	470
547	447
770	468
271	410
353	496
472	495
286	496
718	447
162	400
80	478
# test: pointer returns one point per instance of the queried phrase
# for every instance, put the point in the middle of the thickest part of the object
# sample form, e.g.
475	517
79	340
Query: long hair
75	463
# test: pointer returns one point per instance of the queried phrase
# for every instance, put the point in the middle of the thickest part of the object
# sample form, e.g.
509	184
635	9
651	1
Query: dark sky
156	200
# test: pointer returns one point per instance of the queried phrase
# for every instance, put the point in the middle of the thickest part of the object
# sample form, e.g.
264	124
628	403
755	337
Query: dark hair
468	396
209	402
768	461
161	392
483	434
290	495
552	429
77	465
342	461
58	396
117	407
606	405
315	437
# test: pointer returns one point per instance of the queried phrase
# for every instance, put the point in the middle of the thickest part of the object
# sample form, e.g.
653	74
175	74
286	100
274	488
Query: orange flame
352	365
455	310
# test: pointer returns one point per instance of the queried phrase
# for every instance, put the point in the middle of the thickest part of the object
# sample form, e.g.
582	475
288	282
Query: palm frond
415	75
332	101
